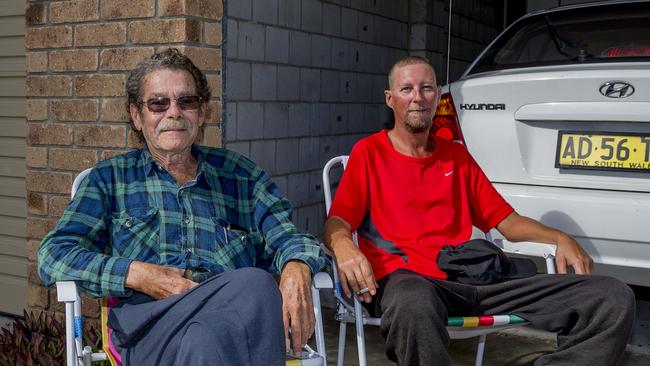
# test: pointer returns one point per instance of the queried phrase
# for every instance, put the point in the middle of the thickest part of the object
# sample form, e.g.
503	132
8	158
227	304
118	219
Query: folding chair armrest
546	251
328	253
66	291
526	248
322	280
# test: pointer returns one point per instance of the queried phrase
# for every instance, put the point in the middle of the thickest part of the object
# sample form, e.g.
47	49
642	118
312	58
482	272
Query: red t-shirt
406	209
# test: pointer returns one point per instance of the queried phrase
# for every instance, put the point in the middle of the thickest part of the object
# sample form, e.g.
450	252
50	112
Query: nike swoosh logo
448	173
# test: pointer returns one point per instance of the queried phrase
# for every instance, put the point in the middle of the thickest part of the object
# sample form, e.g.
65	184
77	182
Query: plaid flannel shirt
129	208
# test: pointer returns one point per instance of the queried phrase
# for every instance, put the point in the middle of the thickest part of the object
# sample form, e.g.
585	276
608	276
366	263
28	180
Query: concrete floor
509	348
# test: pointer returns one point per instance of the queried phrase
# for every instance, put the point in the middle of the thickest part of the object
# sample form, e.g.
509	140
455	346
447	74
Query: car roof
583	5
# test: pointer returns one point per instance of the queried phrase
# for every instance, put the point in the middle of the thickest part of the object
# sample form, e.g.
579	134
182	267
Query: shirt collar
199	155
148	162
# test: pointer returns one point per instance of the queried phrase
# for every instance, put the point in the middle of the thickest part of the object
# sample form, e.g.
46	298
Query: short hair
406	61
168	59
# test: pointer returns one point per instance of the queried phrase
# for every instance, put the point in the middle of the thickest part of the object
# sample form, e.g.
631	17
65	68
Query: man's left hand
297	308
569	253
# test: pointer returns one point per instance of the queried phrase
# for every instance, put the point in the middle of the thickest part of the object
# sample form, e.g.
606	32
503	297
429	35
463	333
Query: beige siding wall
13	262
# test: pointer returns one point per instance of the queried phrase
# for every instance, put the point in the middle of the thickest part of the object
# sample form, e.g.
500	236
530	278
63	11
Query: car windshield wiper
562	41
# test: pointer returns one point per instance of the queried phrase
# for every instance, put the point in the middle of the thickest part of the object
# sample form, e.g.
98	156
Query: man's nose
174	111
417	94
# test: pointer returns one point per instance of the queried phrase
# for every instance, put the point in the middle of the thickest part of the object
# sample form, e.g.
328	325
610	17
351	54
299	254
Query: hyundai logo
616	89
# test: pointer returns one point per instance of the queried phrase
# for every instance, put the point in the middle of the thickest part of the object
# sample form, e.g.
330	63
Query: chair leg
480	350
87	356
78	331
71	357
320	332
361	337
341	355
361	346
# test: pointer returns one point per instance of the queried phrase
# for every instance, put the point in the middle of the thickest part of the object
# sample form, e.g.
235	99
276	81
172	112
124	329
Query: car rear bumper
612	226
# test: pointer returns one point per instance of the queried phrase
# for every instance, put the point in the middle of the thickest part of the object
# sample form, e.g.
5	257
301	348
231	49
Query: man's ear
135	117
389	98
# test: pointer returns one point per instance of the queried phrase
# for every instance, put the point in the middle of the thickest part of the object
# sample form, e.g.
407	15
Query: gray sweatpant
234	318
592	315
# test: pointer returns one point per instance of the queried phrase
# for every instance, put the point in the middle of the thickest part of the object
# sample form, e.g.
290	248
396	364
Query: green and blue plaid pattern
129	208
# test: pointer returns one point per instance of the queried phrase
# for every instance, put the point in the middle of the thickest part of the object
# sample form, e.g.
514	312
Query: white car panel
511	108
611	226
522	150
583	111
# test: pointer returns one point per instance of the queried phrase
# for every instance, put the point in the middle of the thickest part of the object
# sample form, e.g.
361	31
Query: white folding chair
67	292
457	327
78	355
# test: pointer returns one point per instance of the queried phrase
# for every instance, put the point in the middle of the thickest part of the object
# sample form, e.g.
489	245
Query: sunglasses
185	103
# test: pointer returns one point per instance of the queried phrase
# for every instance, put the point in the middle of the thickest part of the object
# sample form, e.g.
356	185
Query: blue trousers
234	318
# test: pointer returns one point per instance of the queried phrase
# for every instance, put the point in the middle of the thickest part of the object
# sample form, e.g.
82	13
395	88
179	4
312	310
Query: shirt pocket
135	234
235	245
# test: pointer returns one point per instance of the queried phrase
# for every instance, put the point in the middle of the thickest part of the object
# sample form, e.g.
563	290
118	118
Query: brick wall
78	56
305	78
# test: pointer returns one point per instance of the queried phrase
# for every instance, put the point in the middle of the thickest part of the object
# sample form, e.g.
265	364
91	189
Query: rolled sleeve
114	277
309	254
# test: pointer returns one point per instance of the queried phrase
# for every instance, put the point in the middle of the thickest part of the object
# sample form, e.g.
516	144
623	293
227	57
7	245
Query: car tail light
628	51
445	122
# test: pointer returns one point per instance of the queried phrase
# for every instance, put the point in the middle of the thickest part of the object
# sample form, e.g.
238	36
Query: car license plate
603	151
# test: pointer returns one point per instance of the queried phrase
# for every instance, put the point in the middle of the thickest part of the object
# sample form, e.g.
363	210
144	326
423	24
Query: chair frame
78	355
347	315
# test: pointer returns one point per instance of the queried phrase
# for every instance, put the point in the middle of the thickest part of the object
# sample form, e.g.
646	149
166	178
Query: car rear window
606	33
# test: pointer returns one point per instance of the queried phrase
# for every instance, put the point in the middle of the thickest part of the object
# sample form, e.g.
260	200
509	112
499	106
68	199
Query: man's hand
570	253
157	281
521	228
297	307
355	271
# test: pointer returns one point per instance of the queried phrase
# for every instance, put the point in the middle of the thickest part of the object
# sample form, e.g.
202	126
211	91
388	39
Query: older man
408	195
185	235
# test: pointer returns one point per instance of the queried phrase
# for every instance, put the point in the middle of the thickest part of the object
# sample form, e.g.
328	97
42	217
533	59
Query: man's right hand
355	271
157	281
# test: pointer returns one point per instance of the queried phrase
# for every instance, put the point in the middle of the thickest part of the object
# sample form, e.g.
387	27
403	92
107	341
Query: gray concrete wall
474	24
305	78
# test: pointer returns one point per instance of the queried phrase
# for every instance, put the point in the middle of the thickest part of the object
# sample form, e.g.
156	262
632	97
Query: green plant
38	340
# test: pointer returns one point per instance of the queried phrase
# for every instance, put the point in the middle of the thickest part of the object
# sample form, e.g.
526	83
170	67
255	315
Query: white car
556	110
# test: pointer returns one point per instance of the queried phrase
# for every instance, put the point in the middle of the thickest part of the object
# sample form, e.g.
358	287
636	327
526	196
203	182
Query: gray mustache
172	125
